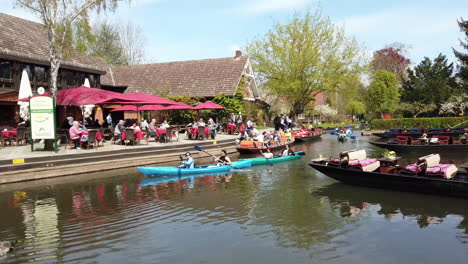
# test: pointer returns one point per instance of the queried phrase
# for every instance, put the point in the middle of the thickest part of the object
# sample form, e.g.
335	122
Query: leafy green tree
107	44
357	108
462	56
431	82
60	18
383	95
232	105
305	56
417	108
183	116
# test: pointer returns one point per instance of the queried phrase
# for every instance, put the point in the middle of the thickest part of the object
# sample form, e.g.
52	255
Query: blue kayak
197	170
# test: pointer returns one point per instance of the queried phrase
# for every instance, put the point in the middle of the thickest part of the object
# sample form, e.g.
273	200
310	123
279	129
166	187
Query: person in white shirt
165	124
144	125
267	154
201	122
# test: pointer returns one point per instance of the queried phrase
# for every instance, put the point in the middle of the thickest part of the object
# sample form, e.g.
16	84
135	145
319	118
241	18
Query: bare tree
133	42
59	18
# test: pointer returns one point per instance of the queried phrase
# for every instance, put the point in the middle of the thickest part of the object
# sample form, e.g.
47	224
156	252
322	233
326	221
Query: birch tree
59	18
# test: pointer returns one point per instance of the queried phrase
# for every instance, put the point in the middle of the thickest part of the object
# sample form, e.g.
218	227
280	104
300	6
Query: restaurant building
24	46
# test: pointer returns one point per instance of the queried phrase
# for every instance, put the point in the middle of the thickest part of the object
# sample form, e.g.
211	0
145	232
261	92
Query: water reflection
286	213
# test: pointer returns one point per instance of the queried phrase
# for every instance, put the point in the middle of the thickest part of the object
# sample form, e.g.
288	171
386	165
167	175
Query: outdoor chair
2	140
176	131
201	133
130	136
102	131
21	135
68	142
92	139
168	137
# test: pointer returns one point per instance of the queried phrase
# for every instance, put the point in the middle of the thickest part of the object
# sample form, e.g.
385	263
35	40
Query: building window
5	70
40	74
28	69
92	80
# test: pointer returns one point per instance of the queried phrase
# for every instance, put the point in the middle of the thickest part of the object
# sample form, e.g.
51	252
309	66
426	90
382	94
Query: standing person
109	120
249	125
286	122
277	122
232	118
75	134
223	159
70	120
212	128
282	121
189	163
239	118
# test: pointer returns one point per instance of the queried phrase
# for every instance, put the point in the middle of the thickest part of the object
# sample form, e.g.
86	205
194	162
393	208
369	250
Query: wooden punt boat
395	179
422	148
306	136
392	133
251	147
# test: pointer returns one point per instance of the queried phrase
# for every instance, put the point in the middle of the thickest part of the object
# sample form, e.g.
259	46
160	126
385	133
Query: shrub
431	122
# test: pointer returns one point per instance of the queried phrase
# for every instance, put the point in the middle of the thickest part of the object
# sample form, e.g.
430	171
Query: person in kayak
223	159
267	154
287	151
189	163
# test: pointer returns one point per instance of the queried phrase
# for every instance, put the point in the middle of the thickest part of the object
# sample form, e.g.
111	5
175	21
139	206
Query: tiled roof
27	41
199	78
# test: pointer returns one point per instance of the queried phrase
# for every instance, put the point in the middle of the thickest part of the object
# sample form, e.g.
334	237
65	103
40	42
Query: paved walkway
20	152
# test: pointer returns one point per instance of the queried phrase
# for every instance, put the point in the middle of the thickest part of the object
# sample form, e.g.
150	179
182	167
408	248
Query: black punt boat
422	148
417	132
456	186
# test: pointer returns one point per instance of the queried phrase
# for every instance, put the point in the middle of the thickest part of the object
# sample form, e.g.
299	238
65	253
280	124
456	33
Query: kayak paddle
200	149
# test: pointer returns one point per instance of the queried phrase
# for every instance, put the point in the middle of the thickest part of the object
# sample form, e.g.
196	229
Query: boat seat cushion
430	160
357	155
366	164
412	168
448	171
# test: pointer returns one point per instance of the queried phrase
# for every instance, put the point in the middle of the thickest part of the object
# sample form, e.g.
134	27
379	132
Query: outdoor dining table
9	133
160	131
194	131
231	127
86	132
137	134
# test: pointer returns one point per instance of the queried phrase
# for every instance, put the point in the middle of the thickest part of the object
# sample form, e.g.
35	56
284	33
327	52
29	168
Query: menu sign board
42	117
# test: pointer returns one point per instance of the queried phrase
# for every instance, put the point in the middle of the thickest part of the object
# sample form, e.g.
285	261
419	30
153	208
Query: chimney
238	54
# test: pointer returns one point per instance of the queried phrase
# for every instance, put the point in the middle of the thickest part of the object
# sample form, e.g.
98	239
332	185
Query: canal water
285	213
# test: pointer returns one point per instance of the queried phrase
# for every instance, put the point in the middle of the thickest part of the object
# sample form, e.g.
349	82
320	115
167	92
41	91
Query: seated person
201	122
75	134
267	154
189	163
135	127
165	125
144	125
152	128
464	138
223	159
119	128
287	152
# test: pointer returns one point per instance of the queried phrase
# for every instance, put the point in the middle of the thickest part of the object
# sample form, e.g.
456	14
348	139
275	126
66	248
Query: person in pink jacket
75	134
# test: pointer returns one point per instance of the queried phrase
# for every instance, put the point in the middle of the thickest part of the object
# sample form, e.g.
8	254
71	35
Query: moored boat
250	146
417	132
403	143
150	171
264	161
427	175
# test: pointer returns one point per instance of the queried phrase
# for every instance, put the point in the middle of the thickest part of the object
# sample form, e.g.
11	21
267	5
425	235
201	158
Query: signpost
42	111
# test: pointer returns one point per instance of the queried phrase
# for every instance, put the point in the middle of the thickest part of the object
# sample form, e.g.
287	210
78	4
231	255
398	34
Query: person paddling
189	163
267	154
223	159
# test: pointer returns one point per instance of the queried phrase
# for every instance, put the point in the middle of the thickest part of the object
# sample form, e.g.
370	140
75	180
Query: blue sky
189	29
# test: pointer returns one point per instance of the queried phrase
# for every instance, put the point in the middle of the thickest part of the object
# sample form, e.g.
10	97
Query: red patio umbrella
179	106
208	105
147	99
135	108
88	96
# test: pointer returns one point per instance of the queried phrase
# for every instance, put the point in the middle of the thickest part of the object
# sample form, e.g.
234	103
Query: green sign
42	111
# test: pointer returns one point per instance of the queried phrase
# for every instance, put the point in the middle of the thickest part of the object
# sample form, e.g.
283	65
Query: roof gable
27	41
199	78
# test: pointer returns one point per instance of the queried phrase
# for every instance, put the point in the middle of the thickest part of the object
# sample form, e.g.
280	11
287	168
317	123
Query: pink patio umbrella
135	108
87	96
147	99
179	106
208	105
